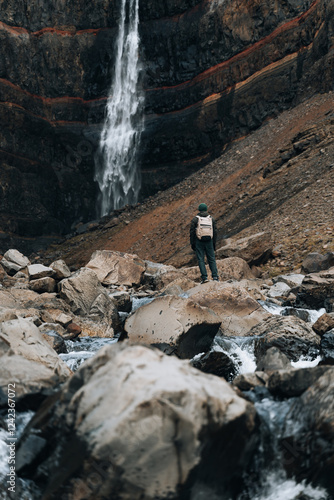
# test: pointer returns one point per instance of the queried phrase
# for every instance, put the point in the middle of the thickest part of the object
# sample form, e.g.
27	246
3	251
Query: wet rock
273	359
28	361
60	270
327	348
175	325
170	429
247	381
292	383
217	363
13	261
117	268
289	334
315	262
309	434
233	303
324	324
254	249
122	300
73	331
54	339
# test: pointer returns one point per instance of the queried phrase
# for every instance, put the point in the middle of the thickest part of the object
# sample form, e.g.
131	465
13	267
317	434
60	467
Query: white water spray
116	168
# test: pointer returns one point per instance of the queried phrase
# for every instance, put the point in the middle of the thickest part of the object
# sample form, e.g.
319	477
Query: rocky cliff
213	71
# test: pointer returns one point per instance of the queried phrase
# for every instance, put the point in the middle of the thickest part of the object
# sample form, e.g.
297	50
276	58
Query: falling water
116	168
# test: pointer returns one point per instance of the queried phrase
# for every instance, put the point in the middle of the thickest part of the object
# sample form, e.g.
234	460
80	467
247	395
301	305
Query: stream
268	480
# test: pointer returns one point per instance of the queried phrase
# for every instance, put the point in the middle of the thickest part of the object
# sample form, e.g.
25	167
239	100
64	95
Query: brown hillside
279	178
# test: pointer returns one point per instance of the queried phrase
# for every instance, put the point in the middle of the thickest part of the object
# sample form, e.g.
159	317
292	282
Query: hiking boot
216	279
204	280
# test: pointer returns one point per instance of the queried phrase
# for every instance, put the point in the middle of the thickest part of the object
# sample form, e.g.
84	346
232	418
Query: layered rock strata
213	72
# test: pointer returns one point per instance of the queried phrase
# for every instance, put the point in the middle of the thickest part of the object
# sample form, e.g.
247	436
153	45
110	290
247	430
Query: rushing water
116	166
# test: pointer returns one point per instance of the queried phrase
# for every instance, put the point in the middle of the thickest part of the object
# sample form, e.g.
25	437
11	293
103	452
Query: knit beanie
202	207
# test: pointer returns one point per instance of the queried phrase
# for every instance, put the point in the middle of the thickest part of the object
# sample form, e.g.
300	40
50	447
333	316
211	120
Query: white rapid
116	166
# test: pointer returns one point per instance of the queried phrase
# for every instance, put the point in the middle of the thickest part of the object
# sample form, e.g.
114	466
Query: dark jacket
193	226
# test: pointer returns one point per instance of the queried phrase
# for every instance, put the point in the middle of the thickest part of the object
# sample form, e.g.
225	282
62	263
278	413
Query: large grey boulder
28	361
317	291
158	276
60	270
88	298
233	303
134	423
174	324
291	335
315	262
37	271
254	249
117	268
13	261
230	268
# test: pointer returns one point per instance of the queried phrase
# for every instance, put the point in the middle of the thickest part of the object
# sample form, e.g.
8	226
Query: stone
158	276
37	271
289	334
327	348
151	400
28	361
233	303
122	300
292	383
175	325
324	324
43	285
73	331
315	262
54	339
317	292
230	268
279	290
292	280
273	359
216	362
255	249
309	433
247	381
13	261
60	270
117	268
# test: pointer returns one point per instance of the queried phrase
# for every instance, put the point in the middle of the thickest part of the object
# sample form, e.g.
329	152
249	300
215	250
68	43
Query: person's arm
214	227
193	226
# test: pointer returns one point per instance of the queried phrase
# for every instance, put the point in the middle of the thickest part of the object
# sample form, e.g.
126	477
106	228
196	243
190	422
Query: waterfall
116	167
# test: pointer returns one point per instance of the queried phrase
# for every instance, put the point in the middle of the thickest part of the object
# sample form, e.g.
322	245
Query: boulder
309	434
158	276
327	348
236	308
255	249
216	362
273	359
170	429
8	300
247	381
53	338
43	285
317	291
231	268
289	334
28	361
292	280
279	290
175	325
60	270
292	383
37	271
324	324
13	261
117	268
122	300
315	262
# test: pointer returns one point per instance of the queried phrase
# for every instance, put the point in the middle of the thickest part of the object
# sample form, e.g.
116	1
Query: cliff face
213	71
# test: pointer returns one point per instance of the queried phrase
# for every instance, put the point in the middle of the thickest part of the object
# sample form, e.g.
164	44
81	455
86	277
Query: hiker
203	235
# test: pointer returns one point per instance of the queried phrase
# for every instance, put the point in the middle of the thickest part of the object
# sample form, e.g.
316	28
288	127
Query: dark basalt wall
213	70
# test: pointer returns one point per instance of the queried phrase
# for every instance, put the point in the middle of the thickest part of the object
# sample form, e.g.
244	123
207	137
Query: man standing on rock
203	236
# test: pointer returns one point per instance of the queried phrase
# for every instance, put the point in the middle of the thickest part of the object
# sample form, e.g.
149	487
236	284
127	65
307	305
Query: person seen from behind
203	236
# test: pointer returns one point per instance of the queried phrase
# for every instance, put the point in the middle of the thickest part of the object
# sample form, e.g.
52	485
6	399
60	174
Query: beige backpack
204	229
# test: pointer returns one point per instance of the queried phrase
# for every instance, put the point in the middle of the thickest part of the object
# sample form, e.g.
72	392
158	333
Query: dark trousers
206	248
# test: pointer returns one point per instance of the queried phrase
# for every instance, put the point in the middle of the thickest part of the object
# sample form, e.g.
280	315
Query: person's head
202	207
